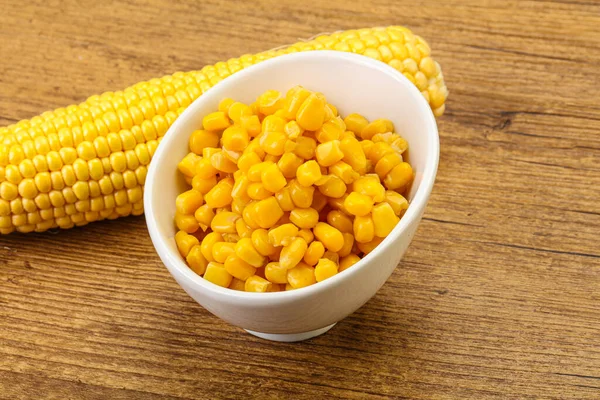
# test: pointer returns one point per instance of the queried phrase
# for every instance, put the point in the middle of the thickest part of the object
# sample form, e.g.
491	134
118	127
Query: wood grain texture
498	296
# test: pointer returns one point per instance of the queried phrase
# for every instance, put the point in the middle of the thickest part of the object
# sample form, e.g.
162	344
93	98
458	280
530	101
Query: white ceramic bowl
352	83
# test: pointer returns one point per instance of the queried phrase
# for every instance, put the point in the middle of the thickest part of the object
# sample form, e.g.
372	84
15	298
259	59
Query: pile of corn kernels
285	193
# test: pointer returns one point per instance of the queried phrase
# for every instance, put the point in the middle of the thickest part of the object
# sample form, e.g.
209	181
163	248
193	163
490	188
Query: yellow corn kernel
369	185
387	163
262	243
378	151
282	235
344	171
246	251
355	123
235	138
269	102
331	237
208	152
288	164
333	187
222	250
201	139
187	166
302	196
330	255
247	160
354	154
257	191
358	204
328	132
308	173
329	153
305	147
196	260
311	114
304	217
314	252
384	219
239	268
252	125
293	253
340	221
273	142
307	235
377	126
369	246
220	195
242	229
301	275
225	104
203	185
237	284
284	199
276	273
325	269
319	201
256	170
216	273
273	123
208	243
364	229
294	98
224	222
238	110
348	261
272	178
185	243
185	223
348	244
216	121
188	202
399	177
222	163
293	130
204	215
257	284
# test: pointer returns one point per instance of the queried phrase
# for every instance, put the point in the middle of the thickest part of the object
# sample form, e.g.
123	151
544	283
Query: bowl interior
352	83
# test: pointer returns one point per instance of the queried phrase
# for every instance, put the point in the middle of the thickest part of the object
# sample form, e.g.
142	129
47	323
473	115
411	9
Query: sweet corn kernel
216	273
216	121
220	195
387	163
185	243
369	185
247	160
304	217
325	269
238	110
256	170
328	132
204	215
262	243
354	154
282	235
305	147
293	130
301	275
238	268
203	185
186	223
257	191
276	273
311	114
329	153
355	123
201	139
224	222
302	196
308	173
314	252
252	124
257	284
377	126
269	102
293	253
358	204
208	243
284	199
333	187
348	261
369	246
188	202
235	138
384	219
294	99
307	235
340	221
288	165
348	244
237	284
246	251
272	178
330	255
399	177
331	238
273	142
364	229
187	166
196	260
242	229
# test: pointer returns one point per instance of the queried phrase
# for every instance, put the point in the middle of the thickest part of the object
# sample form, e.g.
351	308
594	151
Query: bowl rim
172	259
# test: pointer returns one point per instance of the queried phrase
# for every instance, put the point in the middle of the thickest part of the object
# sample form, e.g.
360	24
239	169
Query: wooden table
497	297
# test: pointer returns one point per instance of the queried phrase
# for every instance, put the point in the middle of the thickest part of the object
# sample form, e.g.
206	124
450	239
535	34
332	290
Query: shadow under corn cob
88	162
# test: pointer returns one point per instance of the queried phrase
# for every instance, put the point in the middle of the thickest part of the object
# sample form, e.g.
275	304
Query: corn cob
88	162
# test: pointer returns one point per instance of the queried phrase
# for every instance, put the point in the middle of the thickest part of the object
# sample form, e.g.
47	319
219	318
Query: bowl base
290	337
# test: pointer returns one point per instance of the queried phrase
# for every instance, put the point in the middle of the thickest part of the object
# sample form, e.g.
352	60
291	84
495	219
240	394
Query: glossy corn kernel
262	242
368	247
331	238
288	164
329	153
305	218
188	202
354	154
377	126
311	113
369	185
340	221
245	250
301	275
216	121
196	261
282	235
238	268
328	132
398	202
225	222
314	253
220	195
355	123
305	147
348	261
308	173
185	242
222	250
257	284
273	179
276	273
348	244
217	274
364	229
325	269
399	177
384	219
201	139
293	253
332	187
186	223
358	204
302	196
235	138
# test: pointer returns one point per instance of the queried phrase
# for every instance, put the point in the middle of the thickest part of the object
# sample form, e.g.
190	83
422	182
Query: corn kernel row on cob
88	162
